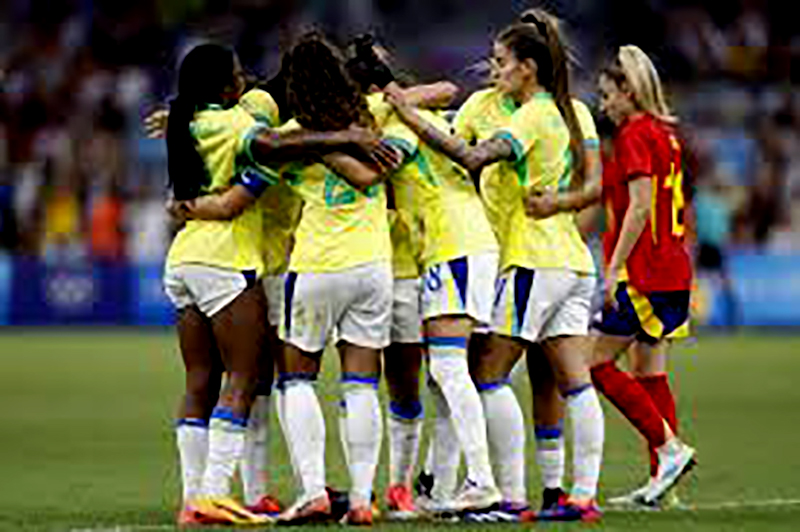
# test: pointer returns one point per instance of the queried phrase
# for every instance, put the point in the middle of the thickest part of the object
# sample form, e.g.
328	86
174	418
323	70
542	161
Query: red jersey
645	147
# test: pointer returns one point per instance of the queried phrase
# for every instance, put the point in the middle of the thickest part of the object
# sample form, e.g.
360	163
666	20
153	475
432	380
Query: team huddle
330	205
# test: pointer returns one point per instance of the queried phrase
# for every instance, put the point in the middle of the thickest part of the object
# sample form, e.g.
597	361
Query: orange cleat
304	511
400	503
359	517
266	505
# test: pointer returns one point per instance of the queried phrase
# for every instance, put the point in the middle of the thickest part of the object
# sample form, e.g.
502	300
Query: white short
209	288
273	289
407	311
462	286
538	304
355	303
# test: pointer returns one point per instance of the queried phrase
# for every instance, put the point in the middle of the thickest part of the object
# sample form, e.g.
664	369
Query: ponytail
204	73
538	38
633	68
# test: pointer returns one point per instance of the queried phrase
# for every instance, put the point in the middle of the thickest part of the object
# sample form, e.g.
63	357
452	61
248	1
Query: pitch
86	439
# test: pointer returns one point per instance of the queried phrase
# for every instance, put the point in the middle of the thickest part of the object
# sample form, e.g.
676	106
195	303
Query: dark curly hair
321	94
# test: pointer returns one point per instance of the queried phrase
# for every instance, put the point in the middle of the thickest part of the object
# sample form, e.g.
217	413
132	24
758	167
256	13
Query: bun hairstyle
365	67
633	69
538	39
204	75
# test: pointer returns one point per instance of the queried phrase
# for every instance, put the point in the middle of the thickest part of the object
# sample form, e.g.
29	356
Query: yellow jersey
541	159
223	138
340	226
403	222
281	207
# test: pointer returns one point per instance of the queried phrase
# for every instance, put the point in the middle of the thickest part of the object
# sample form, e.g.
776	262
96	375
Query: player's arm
543	204
640	190
272	145
224	206
456	148
432	95
362	174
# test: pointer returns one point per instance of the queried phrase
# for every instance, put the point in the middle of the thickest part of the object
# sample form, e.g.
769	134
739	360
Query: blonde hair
634	68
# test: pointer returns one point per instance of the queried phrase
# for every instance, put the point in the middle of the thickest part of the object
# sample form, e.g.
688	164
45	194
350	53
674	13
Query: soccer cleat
340	503
305	511
472	497
552	497
506	512
675	459
219	511
423	486
634	498
266	505
587	512
359	516
399	503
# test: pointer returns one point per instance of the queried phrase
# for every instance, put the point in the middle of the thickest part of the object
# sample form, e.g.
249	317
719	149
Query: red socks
658	387
632	400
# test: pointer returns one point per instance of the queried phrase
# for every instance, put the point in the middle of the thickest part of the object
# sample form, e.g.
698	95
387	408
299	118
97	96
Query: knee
444	370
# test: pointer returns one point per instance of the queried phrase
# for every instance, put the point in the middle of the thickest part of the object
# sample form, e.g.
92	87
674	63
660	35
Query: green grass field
86	435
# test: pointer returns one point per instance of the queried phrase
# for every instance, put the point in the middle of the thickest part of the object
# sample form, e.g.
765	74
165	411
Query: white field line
709	506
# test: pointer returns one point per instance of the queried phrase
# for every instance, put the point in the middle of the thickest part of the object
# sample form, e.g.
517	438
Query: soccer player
210	277
536	148
648	269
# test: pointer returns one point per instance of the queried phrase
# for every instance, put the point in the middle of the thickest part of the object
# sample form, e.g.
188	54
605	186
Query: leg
203	378
504	420
548	418
239	331
447	343
567	355
649	368
255	462
361	369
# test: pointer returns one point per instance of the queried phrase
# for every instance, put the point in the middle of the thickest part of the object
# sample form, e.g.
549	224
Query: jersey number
674	181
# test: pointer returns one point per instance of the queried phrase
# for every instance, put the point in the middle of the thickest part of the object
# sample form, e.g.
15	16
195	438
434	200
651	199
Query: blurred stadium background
86	434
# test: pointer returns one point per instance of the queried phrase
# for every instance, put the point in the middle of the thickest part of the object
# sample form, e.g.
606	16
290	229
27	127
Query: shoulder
261	105
212	122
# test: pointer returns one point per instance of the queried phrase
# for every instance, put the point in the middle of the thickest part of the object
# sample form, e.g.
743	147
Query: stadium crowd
78	178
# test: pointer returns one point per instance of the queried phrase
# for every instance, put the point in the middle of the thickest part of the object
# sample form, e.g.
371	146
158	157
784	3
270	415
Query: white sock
428	466
305	435
550	455
192	439
450	370
506	433
588	433
225	450
280	409
255	465
444	453
364	429
405	428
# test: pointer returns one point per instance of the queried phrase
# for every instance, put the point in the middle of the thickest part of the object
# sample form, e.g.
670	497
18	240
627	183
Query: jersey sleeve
633	155
255	177
400	136
522	132
261	106
463	122
587	125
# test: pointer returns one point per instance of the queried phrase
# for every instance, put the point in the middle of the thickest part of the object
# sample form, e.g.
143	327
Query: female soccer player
648	271
210	277
536	148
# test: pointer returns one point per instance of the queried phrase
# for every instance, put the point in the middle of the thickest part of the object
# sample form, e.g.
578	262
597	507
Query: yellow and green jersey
223	138
403	221
541	160
340	226
281	207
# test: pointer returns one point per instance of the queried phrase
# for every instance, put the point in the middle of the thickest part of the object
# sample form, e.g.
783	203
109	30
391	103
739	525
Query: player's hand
394	95
155	124
541	203
366	139
610	289
180	211
386	157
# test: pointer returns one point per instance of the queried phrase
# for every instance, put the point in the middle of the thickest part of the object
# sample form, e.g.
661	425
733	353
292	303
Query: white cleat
675	459
472	497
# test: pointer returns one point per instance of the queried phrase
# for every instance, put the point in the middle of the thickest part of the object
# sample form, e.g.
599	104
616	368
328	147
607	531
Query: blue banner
150	305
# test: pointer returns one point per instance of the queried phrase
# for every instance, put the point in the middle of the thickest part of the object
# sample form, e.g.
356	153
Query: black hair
365	67
205	73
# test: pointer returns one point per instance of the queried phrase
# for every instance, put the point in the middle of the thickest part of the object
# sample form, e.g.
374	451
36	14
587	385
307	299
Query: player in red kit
648	269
